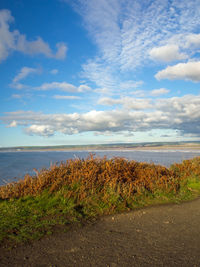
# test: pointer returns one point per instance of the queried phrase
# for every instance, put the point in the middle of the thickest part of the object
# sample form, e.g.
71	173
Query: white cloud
182	71
42	130
177	113
66	97
139	93
125	32
99	73
34	47
127	102
61	51
63	86
23	73
193	39
187	105
15	41
7	39
167	53
107	79
83	88
101	20
130	85
161	91
40	47
109	101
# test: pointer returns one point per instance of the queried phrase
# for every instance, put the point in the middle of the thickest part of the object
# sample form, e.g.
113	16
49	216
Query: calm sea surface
14	165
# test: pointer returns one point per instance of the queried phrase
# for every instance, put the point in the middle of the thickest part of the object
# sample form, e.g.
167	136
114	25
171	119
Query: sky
75	72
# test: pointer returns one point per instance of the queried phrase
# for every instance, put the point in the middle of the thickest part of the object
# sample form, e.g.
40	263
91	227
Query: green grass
31	217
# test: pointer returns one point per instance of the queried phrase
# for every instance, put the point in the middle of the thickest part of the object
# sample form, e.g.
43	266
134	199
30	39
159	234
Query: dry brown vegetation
96	175
79	189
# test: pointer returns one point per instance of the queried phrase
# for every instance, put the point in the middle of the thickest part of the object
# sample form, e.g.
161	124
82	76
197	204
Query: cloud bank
177	113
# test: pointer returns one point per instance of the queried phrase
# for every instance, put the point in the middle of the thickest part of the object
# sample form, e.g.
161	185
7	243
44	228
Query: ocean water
14	165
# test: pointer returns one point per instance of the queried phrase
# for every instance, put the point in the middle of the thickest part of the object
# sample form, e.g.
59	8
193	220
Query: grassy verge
83	189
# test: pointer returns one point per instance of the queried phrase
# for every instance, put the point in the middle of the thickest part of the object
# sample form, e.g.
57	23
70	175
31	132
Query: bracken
95	175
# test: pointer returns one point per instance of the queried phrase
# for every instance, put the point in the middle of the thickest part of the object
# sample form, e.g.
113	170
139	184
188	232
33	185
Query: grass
79	190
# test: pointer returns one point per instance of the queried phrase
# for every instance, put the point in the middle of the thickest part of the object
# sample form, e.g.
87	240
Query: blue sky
99	71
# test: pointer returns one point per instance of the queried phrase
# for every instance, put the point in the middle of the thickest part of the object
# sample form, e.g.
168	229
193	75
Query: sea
14	165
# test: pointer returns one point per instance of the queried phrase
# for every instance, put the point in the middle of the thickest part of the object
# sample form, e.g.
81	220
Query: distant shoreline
124	147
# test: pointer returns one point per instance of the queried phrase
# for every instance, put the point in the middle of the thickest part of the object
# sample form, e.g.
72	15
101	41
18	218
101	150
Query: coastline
168	148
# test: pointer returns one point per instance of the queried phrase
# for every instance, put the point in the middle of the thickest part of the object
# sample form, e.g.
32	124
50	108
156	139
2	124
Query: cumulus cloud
189	105
182	71
167	53
15	41
187	43
176	113
42	130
